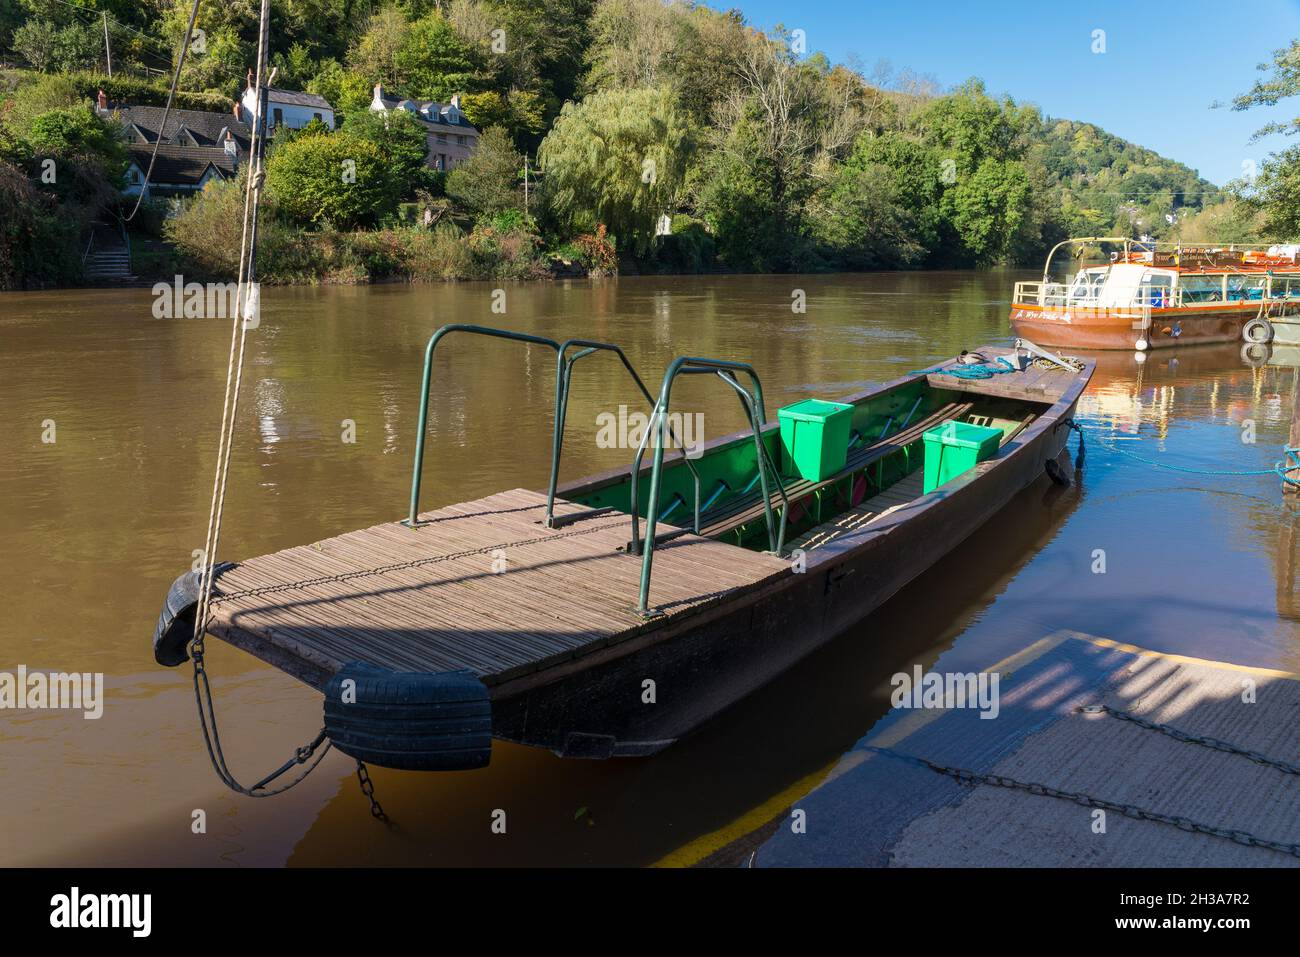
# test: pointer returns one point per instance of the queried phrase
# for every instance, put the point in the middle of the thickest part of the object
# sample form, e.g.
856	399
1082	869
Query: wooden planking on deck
902	492
1037	383
428	599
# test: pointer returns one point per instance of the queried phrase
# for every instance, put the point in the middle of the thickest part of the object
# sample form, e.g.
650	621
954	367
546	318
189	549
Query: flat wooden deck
481	585
1038	383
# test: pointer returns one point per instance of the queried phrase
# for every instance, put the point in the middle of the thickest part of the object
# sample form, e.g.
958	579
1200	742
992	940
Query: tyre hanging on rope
409	721
1258	330
175	629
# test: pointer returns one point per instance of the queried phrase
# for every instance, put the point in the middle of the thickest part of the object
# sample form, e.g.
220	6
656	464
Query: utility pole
108	51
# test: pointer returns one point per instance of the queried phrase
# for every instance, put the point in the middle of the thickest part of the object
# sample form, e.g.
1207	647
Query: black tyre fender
1257	330
1057	473
408	720
175	629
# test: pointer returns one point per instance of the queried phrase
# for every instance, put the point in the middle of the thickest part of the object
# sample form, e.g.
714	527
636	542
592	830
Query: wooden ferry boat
610	615
1154	295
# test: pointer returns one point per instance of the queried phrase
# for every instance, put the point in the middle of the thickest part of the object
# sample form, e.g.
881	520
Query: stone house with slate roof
451	138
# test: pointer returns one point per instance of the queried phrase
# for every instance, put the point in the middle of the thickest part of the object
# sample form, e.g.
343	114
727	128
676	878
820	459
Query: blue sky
1163	66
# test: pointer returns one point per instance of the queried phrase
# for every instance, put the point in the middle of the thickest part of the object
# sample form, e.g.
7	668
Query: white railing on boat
1229	288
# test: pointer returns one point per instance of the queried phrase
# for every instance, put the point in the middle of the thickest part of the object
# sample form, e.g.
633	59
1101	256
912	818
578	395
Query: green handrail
755	411
564	372
563	377
413	520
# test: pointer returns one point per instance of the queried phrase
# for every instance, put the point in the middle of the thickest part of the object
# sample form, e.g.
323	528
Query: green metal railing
563	378
757	415
413	519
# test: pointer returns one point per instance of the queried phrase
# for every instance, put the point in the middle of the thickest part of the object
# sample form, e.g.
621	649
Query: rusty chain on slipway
1245	838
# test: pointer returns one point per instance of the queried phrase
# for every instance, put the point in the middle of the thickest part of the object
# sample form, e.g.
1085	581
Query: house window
279	116
442	137
460	141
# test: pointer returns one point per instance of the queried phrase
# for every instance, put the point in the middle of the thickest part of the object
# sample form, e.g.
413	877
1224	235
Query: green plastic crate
815	437
954	448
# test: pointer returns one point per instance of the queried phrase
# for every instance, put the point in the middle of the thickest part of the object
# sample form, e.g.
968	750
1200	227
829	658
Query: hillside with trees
658	136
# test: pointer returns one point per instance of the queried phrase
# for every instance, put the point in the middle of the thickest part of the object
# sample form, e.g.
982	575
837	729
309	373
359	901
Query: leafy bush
596	252
336	179
38	241
488	182
689	248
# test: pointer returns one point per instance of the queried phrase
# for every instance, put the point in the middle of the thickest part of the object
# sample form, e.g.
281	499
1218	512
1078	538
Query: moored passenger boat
1152	295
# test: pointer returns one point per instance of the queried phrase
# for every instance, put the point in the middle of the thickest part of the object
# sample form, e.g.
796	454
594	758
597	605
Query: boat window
1245	288
1156	289
1201	288
1087	286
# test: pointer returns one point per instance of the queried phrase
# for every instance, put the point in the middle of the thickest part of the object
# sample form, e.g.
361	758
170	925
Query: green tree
618	158
36	41
331	178
402	142
1276	190
488	182
737	197
434	62
987	209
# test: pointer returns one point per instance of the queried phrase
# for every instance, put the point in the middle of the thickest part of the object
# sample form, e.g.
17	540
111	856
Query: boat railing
563	376
1226	288
755	411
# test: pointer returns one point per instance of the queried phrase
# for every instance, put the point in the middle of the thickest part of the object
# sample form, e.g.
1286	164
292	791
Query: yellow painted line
749	822
1179	659
697	850
706	844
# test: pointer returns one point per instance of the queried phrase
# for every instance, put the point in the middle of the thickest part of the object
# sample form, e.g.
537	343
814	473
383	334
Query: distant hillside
1105	182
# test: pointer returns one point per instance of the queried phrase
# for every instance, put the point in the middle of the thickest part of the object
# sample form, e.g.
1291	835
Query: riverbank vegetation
656	137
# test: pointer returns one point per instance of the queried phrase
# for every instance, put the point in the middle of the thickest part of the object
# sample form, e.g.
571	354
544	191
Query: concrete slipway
876	808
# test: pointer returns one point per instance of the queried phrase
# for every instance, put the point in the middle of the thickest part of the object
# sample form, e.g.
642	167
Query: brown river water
95	525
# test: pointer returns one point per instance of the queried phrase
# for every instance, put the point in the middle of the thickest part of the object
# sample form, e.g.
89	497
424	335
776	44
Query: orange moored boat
1153	295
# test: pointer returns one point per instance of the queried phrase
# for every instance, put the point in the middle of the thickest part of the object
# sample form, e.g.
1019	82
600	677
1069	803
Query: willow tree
619	158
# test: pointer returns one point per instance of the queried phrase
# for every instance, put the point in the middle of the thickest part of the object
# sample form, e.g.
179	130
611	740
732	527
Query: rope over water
312	753
1284	469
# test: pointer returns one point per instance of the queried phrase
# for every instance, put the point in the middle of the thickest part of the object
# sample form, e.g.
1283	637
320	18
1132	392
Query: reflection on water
98	523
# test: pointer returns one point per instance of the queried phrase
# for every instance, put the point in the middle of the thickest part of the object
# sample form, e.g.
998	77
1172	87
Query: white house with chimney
289	109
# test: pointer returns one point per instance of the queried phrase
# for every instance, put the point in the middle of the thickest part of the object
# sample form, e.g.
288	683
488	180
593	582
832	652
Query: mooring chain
972	778
368	789
401	566
1204	740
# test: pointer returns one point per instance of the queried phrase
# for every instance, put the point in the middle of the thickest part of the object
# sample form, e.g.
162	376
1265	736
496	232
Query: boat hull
1122	329
598	707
